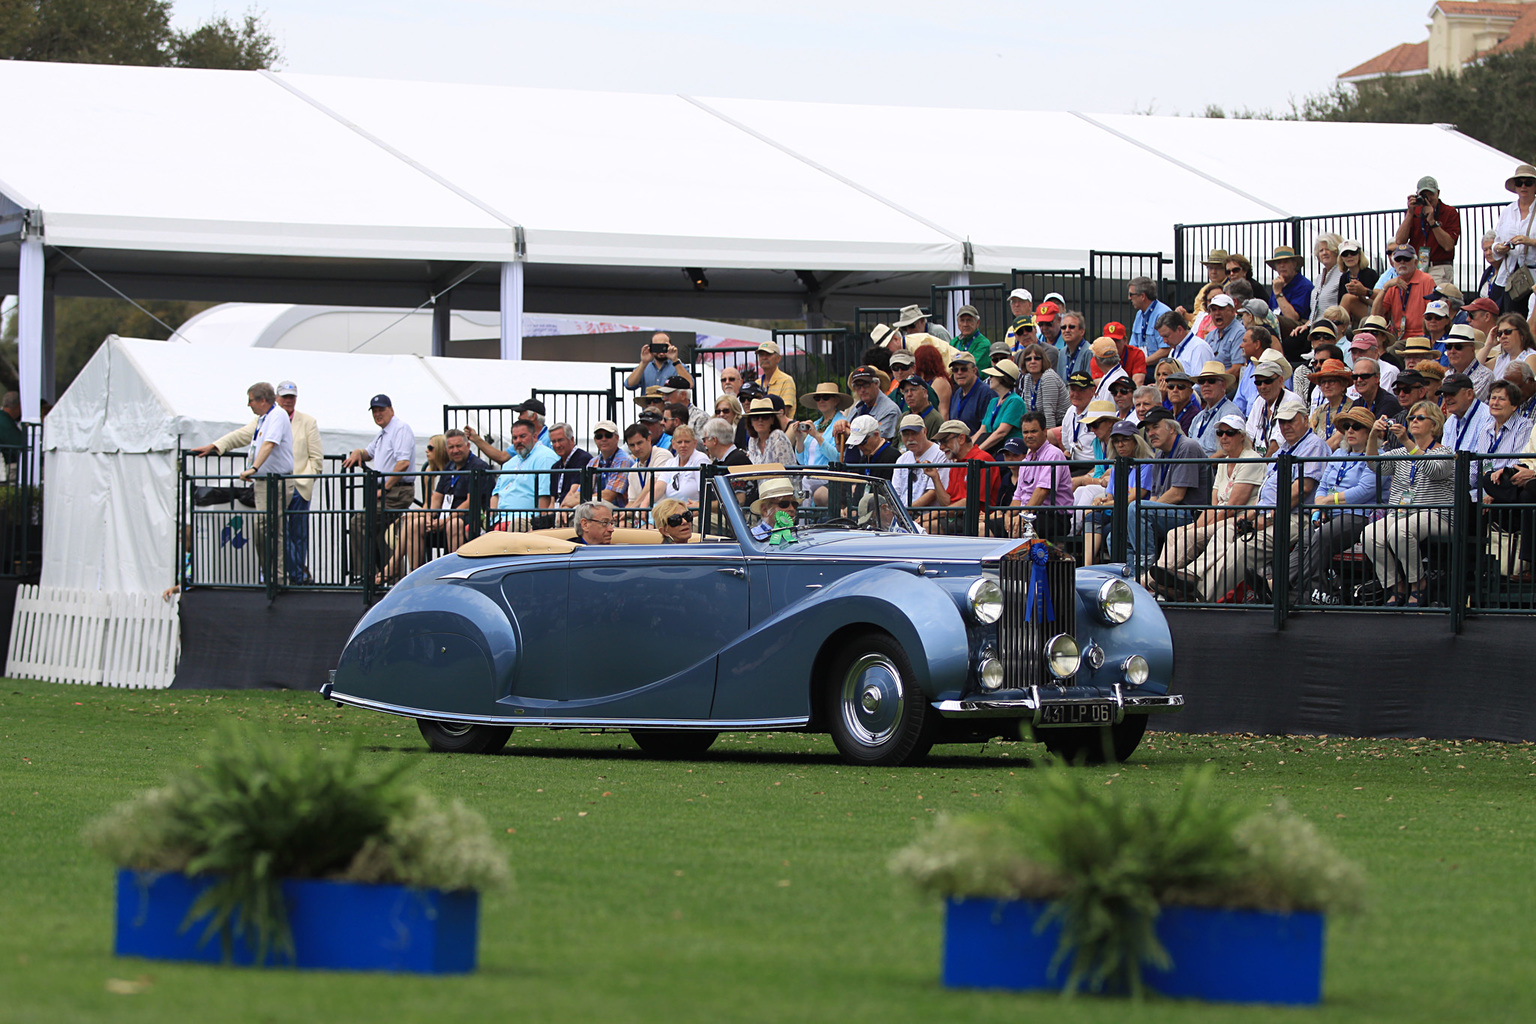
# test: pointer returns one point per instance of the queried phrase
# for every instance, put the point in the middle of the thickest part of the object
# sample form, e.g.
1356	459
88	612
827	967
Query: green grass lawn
749	886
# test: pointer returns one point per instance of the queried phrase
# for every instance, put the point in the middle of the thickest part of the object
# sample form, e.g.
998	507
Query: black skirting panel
235	640
1359	674
1342	674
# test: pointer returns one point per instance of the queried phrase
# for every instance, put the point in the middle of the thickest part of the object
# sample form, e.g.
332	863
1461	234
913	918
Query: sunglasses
1234	270
1121	391
784	503
1435	316
1228	433
603	435
680	518
1402	259
1418	418
1034	359
1525	182
1503	332
1352	425
957	367
1364	376
1178	384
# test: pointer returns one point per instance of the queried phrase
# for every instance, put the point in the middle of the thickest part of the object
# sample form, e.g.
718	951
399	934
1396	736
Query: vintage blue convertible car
853	622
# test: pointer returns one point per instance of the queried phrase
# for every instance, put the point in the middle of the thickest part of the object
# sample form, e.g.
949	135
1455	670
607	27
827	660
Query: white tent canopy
111	442
308	165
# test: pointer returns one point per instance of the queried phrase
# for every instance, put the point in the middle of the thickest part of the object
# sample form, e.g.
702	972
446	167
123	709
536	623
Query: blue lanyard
1499	432
1466	422
1034	394
1162	476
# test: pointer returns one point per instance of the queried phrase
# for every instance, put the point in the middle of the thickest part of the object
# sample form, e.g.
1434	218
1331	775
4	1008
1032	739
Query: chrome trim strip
1030	706
720	725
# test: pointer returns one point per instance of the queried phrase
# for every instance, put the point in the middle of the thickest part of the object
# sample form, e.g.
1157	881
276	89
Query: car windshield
781	505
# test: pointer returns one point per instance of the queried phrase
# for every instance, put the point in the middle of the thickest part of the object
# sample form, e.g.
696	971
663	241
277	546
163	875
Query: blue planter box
1234	956
340	926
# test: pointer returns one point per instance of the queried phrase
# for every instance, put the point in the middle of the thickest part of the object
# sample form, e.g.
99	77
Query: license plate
1098	712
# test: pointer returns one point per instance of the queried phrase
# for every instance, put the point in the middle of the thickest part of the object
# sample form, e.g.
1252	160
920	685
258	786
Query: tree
119	32
1492	100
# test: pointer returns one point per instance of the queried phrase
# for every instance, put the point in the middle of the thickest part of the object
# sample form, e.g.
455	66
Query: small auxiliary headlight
1062	656
986	599
991	674
1136	670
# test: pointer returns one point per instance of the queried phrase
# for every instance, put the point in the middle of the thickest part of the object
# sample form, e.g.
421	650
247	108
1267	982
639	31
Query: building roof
1402	59
1520	33
1458	8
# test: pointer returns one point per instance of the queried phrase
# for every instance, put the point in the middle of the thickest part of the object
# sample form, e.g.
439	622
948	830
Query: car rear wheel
874	709
1096	746
463	738
673	743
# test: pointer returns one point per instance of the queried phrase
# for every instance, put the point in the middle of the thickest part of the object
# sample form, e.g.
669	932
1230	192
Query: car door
537	599
647	623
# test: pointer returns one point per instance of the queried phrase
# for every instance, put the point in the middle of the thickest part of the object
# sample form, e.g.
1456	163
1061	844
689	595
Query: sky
1108	56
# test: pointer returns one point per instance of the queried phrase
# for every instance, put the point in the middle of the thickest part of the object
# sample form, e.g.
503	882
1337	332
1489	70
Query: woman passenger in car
673	520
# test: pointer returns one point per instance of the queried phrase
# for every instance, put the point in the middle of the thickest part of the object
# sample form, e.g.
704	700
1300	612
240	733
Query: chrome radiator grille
1022	643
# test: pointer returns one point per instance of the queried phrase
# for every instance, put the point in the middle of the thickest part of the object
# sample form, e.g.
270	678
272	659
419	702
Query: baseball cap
1021	293
1178	375
1482	304
1080	380
1363	339
1125	428
1455	382
769	347
1234	421
608	425
1047	311
676	383
1427	184
1024	321
915	381
962	356
967	311
1350	245
903	359
861	428
863	373
1115	331
1000	348
1268	369
953	427
287	387
1409	379
380	402
534	406
912	421
1157	414
1223	299
1405	250
1257	307
1290	409
1438	308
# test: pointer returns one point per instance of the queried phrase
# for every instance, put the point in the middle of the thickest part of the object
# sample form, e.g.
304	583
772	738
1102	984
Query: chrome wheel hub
873	699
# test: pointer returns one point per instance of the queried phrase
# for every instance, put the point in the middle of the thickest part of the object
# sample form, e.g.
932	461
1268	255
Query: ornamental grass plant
1108	862
256	812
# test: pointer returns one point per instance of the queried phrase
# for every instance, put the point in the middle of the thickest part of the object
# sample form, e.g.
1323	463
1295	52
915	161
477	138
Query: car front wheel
1096	746
876	713
462	738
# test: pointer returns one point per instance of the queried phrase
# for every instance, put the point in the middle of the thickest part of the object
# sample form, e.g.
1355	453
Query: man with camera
658	362
1432	226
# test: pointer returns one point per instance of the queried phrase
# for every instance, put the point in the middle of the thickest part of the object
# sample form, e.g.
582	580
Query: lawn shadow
749	757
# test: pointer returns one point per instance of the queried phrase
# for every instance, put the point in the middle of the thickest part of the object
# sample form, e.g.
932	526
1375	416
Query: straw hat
761	407
1098	411
1215	368
844	400
1356	414
1418	347
1521	171
651	394
772	489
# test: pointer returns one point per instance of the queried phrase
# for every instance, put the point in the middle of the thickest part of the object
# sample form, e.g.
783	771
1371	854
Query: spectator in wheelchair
1420	505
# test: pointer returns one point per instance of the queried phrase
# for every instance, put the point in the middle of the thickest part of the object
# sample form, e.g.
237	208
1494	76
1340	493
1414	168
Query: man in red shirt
1132	358
955	438
1433	225
1402	300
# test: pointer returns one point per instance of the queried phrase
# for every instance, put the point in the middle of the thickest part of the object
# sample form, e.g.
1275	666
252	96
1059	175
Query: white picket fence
83	636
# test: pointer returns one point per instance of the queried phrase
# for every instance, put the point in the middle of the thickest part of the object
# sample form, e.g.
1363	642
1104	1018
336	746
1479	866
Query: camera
658	349
1415	200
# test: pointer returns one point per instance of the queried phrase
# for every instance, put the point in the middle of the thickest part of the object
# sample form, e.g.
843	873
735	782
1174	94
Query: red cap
1483	303
1115	331
1046	312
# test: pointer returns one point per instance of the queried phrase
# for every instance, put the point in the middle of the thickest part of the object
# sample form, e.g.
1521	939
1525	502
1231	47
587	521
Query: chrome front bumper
1030	706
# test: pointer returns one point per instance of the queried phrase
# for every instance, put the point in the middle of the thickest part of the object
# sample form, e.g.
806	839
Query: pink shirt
1057	477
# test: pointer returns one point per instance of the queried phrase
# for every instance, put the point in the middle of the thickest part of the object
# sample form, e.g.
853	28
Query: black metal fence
21	506
1100	291
990	300
1373	229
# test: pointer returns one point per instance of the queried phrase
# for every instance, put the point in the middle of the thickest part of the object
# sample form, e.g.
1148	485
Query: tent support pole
957	298
512	310
31	330
442	318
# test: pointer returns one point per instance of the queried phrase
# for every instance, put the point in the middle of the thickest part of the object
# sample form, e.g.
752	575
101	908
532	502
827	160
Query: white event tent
111	443
312	189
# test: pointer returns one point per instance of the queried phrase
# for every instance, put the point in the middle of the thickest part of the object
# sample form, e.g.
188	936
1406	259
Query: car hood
899	546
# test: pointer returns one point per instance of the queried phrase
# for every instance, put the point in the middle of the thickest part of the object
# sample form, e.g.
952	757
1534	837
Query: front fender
767	672
446	647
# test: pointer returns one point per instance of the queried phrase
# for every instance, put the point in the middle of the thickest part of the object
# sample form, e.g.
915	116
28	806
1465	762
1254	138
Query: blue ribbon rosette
1039	587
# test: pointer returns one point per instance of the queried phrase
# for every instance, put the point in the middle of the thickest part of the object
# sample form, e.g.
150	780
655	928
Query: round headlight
1136	670
991	674
1062	656
986	599
1116	601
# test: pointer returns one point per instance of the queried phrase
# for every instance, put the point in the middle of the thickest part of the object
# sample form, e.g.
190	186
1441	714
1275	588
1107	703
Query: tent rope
117	291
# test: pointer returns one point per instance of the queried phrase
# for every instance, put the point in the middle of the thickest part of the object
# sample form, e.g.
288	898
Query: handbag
1519	284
